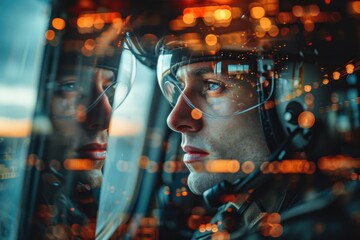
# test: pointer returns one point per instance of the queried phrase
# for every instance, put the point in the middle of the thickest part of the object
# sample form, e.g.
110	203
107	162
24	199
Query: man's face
213	133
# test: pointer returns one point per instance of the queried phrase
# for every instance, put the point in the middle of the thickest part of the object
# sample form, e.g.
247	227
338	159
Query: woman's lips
193	154
93	152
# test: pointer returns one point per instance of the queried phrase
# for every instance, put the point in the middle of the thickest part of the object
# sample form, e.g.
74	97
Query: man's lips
193	154
92	151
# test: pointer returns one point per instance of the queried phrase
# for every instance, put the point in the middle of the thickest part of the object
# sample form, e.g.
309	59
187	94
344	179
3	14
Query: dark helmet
299	60
89	41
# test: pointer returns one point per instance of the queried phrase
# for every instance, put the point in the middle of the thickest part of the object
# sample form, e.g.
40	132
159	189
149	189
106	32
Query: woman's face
80	114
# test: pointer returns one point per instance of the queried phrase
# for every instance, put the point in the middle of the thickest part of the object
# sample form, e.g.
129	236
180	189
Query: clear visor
220	87
117	90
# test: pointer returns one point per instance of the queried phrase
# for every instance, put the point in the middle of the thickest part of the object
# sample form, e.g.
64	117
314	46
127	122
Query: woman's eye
67	87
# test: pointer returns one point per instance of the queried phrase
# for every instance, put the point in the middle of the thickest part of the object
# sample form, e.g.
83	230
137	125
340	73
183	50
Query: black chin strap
213	195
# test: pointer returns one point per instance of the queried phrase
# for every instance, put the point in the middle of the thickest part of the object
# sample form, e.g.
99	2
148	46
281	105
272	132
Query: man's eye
214	87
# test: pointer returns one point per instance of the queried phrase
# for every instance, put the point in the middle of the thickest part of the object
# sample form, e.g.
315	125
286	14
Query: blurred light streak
219	16
221	235
120	127
200	12
222	166
333	163
78	164
292	166
10	127
88	19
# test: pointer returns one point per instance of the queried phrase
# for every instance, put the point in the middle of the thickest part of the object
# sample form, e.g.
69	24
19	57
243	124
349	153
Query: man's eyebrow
195	72
201	70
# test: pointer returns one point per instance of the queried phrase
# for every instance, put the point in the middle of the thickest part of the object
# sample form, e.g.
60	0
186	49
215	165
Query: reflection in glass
78	94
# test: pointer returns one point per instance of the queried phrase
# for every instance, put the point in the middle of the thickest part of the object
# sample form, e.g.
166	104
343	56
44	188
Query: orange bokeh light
307	88
89	44
99	23
274	31
350	68
298	11
211	39
189	18
309	25
306	119
248	167
356	6
265	23
257	12
58	23
50	35
336	75
196	114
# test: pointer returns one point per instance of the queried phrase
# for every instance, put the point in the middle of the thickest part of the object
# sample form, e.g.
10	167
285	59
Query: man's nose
184	118
98	117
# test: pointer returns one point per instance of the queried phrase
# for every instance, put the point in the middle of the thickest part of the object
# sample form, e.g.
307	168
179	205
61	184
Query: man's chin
200	182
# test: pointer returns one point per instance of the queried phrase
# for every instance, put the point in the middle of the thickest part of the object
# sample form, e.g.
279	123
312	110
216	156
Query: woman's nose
98	117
